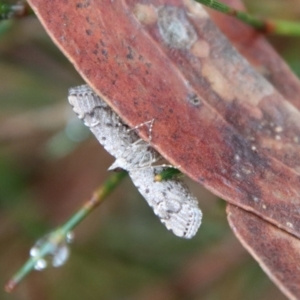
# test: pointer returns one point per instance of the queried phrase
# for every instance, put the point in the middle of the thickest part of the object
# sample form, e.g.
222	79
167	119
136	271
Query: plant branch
18	10
267	26
52	241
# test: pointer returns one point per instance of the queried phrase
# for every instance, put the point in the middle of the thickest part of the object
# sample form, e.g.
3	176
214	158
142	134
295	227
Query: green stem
18	10
96	199
166	174
59	235
267	26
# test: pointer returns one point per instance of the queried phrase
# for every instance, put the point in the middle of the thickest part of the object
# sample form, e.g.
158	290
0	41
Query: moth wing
170	200
103	122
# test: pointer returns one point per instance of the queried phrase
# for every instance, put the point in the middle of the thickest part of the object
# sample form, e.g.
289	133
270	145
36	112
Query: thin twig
267	26
59	235
18	10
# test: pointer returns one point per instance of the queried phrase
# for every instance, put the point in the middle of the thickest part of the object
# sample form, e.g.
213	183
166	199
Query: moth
170	199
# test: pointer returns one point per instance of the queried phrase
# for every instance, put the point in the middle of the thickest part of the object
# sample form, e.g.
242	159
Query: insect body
170	200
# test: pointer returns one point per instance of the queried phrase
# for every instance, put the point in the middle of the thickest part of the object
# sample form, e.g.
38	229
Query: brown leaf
263	57
259	238
216	118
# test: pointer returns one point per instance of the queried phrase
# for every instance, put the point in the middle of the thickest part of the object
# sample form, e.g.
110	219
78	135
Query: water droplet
50	251
40	265
60	256
34	251
70	237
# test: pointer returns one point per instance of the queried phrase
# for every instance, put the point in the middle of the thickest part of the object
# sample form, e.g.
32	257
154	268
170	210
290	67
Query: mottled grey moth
170	199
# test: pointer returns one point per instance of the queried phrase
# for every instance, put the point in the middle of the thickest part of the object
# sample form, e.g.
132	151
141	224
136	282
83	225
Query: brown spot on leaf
194	99
83	4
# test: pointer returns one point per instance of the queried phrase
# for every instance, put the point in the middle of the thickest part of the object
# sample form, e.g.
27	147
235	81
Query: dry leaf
259	238
265	243
216	118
